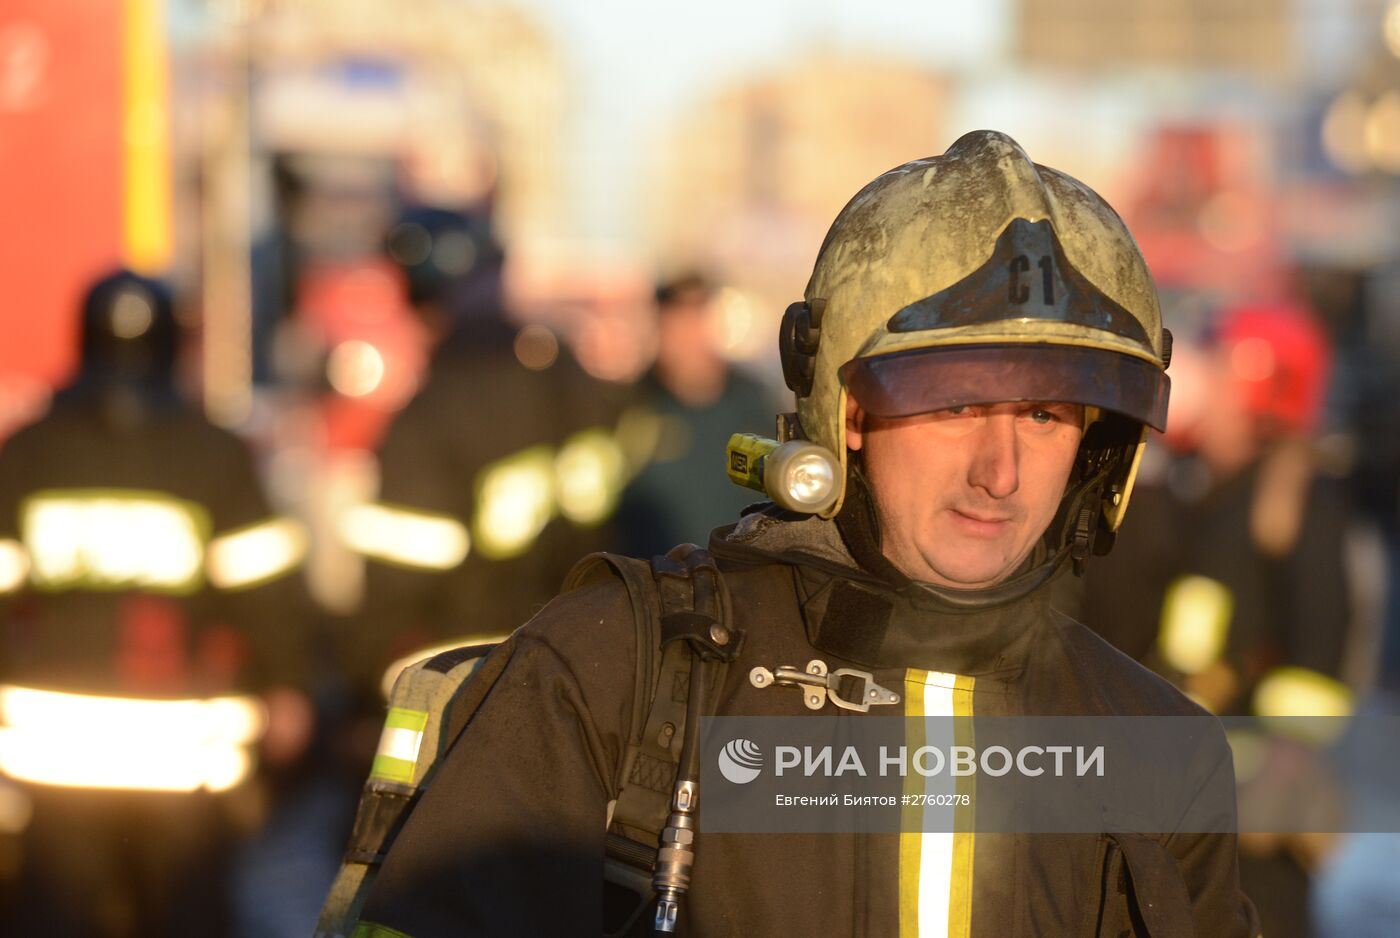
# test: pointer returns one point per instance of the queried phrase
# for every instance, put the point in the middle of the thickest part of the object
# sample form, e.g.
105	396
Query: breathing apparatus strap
648	846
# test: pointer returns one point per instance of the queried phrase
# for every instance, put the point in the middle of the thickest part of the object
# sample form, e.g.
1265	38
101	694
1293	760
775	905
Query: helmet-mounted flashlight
798	475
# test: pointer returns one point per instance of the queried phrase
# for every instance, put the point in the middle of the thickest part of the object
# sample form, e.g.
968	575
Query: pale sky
633	62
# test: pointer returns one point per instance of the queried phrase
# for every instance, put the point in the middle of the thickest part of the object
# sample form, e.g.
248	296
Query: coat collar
879	619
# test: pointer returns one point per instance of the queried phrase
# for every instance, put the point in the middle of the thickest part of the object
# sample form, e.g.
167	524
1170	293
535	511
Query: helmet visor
920	381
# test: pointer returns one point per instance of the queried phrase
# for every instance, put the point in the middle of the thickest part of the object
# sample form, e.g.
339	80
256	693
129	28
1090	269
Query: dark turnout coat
508	839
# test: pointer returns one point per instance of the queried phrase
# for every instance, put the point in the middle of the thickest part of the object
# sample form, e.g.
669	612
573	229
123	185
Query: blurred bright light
1382	134
515	500
536	347
1344	133
256	554
404	536
113	541
1391	29
1300	692
1195	623
84	741
132	314
355	368
589	473
14	565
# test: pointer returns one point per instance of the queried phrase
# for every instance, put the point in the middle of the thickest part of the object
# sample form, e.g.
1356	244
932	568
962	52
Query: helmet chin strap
1105	452
1076	525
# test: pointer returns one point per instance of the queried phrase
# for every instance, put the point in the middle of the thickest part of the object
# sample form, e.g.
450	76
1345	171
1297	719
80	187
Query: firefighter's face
963	495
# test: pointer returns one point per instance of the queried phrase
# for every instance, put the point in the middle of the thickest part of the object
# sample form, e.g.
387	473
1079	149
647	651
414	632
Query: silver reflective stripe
399	743
397	758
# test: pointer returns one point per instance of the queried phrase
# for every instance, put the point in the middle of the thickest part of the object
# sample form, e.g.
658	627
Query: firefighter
151	641
976	363
496	477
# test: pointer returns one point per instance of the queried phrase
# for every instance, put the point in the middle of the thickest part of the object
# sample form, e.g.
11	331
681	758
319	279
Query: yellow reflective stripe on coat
406	537
14	565
255	554
590	472
514	501
397	755
935	867
88	741
114	539
1301	692
1195	623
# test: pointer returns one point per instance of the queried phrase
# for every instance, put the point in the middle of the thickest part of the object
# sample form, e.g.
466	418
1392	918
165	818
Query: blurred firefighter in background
695	398
1253	594
152	640
501	472
1357	892
1234	583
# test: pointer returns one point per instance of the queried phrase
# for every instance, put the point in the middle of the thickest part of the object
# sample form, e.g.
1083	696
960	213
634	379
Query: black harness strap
692	616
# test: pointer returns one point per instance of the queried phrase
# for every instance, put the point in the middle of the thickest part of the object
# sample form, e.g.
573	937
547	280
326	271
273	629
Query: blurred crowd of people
184	727
185	722
1258	571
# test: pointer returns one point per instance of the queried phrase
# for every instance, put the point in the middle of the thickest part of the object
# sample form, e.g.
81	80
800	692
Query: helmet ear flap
798	339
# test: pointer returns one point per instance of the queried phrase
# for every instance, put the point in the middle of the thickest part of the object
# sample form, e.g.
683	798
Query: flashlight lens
810	479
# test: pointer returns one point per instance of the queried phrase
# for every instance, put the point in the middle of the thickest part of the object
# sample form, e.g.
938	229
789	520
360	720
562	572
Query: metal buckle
819	685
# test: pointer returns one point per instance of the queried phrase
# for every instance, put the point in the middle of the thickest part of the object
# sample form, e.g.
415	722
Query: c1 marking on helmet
1018	292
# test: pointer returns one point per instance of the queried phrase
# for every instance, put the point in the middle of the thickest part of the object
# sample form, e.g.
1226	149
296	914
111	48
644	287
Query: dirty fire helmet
977	277
129	332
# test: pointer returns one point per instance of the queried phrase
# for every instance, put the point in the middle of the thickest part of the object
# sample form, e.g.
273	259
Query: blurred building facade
747	178
1254	37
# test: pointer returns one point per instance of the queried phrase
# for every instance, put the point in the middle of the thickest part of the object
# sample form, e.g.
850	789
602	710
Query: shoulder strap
679	608
636	576
684	628
428	707
689	614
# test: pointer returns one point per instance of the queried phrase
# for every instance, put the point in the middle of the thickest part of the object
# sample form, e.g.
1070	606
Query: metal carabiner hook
819	685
